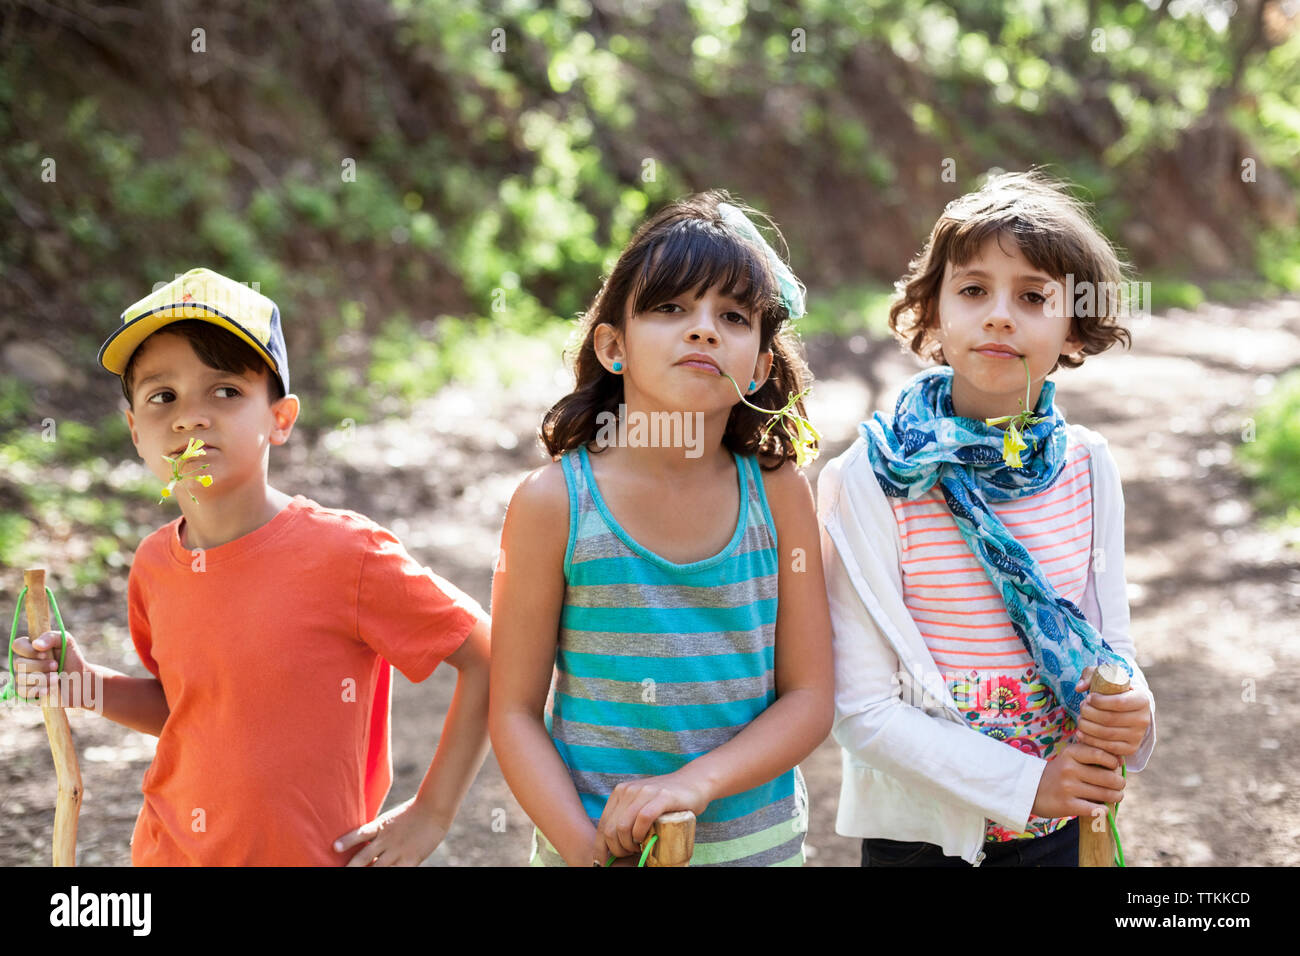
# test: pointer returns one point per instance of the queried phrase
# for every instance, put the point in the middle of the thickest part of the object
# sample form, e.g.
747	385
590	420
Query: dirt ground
1215	597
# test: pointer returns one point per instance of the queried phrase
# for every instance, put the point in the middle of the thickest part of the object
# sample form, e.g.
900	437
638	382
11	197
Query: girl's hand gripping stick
1098	837
676	839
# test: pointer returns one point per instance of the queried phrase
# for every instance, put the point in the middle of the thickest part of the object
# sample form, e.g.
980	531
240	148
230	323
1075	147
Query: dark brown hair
215	348
686	247
1054	232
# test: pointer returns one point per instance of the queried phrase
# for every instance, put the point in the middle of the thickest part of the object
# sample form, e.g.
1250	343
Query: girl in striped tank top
981	547
661	639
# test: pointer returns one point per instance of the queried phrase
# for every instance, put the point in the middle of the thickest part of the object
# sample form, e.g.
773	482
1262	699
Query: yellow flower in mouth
193	449
1012	442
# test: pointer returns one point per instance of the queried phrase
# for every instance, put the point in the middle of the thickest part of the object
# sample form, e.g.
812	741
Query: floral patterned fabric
1019	708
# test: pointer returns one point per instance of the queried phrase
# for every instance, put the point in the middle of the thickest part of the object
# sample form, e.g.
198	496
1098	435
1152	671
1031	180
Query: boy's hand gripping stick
68	803
1096	841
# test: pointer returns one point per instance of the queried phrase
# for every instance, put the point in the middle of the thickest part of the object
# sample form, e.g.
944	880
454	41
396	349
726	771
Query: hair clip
792	290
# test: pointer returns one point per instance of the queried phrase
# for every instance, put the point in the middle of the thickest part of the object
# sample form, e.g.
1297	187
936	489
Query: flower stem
1012	443
193	449
801	433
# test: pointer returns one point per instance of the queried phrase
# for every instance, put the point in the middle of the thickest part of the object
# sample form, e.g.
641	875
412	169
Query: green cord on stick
1114	827
645	853
648	844
9	692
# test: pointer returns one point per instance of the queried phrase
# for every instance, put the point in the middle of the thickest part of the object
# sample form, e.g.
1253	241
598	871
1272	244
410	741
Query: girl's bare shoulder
787	488
541	500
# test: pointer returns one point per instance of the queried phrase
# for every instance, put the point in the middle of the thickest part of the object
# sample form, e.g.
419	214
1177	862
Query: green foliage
1279	257
105	558
15	401
1231	291
13	539
414	362
51	442
532	181
848	310
407	361
1272	459
504	156
1168	292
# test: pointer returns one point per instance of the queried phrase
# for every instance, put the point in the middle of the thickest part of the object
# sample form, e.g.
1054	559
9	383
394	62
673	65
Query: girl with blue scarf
973	546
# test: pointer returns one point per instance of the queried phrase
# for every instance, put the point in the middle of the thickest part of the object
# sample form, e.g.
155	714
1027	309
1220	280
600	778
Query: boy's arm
135	702
409	833
463	745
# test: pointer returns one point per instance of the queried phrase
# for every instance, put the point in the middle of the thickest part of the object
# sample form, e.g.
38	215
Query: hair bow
792	290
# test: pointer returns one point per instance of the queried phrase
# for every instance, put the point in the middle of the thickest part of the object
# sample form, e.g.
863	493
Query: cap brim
115	353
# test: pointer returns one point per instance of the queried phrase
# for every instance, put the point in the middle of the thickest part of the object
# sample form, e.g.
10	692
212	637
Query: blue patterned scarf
928	443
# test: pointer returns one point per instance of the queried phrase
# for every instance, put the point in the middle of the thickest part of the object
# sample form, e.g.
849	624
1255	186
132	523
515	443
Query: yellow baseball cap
209	297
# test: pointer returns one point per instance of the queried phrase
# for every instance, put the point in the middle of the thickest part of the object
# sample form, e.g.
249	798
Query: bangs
214	347
1051	229
1043	248
694	256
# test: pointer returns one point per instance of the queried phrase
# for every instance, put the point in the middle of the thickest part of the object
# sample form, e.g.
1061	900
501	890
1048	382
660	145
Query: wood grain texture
1096	845
67	805
676	843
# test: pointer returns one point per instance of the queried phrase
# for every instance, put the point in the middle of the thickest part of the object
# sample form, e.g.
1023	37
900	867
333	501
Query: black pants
1056	849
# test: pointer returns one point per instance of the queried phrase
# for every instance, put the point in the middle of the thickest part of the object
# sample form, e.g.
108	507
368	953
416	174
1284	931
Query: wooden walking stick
676	839
1096	840
68	803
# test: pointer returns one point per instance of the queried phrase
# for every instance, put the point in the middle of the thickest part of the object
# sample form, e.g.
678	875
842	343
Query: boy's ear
130	424
285	412
608	344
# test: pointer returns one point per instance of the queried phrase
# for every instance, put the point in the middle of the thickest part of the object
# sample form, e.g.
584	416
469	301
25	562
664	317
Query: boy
267	622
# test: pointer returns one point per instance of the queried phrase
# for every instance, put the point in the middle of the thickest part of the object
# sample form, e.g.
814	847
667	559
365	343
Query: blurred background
432	191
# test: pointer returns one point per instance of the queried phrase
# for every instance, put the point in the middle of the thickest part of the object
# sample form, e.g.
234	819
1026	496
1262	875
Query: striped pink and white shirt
964	622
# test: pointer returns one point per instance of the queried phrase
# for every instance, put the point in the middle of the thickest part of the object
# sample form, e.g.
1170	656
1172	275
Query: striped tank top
964	622
658	663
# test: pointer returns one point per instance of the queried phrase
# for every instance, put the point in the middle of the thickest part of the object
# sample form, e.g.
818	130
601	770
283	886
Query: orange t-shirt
273	651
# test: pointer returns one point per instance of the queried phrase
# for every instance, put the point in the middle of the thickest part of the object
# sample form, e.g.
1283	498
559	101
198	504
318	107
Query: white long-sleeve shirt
912	769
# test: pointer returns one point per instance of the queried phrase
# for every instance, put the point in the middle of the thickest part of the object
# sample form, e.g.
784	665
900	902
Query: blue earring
618	366
752	385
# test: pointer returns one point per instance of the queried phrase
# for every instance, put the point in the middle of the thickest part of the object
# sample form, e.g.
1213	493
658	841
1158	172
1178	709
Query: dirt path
1215	599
